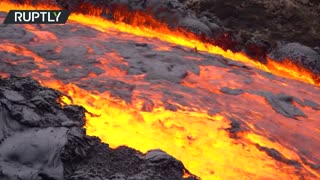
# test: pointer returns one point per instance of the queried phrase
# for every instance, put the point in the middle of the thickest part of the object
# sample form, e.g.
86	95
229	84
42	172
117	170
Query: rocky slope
271	20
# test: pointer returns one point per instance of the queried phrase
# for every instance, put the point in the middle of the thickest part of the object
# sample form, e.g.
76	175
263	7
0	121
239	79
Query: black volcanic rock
257	49
299	54
172	12
287	20
40	139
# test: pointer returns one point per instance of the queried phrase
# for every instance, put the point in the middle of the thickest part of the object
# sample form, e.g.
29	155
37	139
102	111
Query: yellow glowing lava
179	37
198	139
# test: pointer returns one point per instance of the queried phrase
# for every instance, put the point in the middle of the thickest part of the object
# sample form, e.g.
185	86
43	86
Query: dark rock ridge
298	54
260	25
287	20
40	139
172	12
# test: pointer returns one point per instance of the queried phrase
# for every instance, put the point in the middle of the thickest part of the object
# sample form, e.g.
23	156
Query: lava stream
190	119
179	37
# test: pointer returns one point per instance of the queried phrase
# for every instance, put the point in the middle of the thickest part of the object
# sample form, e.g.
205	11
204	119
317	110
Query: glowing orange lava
198	138
179	37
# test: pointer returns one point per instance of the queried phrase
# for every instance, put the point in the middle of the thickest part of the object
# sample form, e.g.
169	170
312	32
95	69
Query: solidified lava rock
40	139
299	54
270	20
230	91
172	12
257	49
257	24
285	104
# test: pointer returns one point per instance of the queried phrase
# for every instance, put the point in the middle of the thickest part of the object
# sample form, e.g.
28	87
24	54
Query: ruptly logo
37	17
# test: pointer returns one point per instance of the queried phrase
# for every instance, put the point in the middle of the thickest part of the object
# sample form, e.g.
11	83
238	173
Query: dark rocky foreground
40	139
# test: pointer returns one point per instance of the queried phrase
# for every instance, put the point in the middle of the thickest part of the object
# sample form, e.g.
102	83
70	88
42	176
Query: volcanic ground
223	119
284	20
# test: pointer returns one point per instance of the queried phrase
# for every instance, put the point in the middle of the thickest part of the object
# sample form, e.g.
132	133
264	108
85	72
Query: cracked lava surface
223	119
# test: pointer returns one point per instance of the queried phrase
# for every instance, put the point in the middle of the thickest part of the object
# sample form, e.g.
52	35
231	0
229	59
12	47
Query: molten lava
179	37
191	119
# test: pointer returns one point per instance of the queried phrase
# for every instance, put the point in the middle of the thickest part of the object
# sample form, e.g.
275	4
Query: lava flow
147	88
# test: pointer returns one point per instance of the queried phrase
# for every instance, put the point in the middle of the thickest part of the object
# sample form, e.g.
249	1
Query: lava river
148	89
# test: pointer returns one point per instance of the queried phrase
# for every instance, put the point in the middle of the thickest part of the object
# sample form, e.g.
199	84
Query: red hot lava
147	88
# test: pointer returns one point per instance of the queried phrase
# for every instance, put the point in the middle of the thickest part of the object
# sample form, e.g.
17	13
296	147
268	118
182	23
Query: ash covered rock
33	153
40	139
31	135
